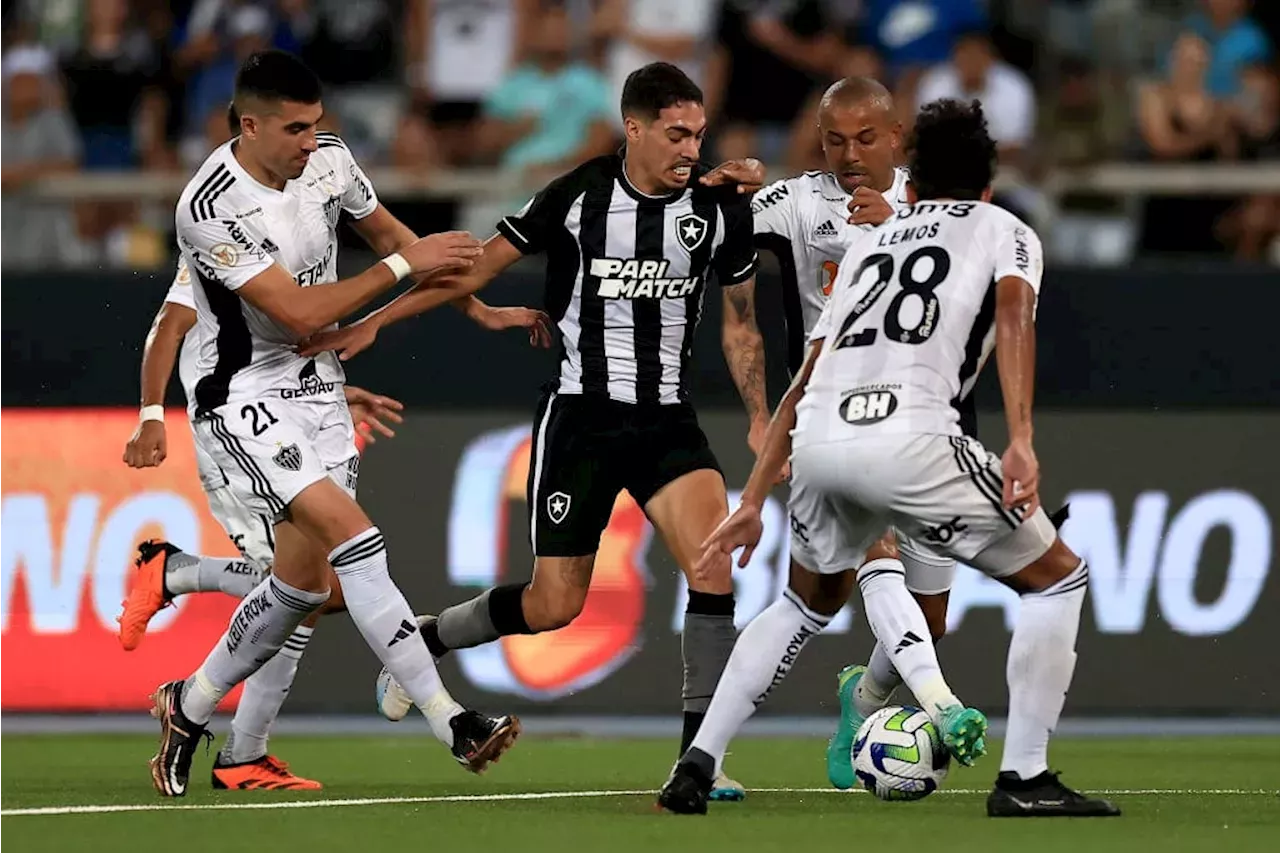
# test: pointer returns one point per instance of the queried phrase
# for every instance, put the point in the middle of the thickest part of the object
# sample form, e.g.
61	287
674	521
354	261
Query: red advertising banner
73	513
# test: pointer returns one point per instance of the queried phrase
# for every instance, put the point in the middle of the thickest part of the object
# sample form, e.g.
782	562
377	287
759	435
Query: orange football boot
268	773
147	595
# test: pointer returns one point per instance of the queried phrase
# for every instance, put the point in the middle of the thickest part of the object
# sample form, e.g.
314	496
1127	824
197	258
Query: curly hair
951	153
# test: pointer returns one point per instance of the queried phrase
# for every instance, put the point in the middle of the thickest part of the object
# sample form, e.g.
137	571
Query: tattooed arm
744	353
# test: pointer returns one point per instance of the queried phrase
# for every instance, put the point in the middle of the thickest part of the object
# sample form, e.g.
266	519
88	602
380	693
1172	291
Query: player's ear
632	128
986	195
895	138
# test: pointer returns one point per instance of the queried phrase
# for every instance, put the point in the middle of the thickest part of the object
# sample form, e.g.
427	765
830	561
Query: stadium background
1157	394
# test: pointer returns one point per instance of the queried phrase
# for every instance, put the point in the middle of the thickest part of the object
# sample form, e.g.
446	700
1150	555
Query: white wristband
152	413
398	265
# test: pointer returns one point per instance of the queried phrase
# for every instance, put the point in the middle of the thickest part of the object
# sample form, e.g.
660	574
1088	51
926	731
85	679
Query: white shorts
272	449
942	493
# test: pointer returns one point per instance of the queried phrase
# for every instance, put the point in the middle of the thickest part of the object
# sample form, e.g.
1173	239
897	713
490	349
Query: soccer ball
899	755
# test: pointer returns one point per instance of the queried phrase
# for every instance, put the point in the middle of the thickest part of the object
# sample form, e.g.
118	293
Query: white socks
389	627
187	573
900	627
258	629
1042	659
876	687
264	695
764	654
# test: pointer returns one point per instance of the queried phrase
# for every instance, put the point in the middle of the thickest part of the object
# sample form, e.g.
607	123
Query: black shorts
587	449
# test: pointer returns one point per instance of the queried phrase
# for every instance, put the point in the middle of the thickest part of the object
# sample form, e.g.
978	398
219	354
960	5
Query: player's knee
823	594
934	608
547	608
1051	567
715	577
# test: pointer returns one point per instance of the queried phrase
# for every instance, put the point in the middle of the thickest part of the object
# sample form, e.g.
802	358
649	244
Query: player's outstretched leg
257	630
164	571
243	763
763	655
899	624
863	690
1041	662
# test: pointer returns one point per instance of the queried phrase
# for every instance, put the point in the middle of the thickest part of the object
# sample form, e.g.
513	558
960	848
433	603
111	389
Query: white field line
545	795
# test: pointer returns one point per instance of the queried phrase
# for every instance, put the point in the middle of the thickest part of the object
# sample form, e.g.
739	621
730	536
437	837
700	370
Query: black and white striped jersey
626	274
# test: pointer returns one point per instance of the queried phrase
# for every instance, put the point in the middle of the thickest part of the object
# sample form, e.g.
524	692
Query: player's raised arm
1018	269
224	257
147	446
385	234
523	233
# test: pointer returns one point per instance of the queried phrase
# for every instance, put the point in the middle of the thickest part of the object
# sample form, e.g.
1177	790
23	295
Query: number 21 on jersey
915	281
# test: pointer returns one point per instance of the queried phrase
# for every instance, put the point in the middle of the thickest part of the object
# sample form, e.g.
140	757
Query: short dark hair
654	87
233	119
950	153
274	76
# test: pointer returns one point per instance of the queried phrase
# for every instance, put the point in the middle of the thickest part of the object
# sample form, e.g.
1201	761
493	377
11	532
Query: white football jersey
232	228
803	221
911	320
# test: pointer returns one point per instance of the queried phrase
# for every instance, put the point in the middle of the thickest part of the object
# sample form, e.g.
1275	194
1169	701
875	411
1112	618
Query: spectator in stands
1082	123
113	86
1234	40
913	36
804	150
773	54
1180	120
551	113
37	139
976	73
248	28
644	31
457	52
1254	114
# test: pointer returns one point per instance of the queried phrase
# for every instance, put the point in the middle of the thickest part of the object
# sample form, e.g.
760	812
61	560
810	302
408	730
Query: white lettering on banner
1246	574
117	547
54	591
764	578
1156	554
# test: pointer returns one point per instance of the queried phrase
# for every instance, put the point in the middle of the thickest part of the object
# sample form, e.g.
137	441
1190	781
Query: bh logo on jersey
862	408
629	278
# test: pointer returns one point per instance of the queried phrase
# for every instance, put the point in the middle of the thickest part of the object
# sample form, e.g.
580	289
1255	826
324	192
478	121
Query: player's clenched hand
748	174
537	322
1021	476
451	250
868	207
369	412
148	446
347	341
742	529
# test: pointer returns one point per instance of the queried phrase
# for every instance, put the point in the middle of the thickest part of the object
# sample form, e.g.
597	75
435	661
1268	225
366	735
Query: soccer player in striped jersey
257	228
807	222
873	432
632	240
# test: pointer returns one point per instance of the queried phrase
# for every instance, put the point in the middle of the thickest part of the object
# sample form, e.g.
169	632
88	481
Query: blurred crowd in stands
533	85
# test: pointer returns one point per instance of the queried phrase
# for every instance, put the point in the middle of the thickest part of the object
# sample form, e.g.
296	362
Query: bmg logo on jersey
630	278
862	408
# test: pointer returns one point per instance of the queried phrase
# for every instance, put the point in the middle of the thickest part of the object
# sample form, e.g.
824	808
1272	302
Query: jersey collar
250	182
631	189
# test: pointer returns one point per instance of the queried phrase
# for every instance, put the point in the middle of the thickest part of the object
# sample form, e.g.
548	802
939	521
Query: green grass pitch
1204	794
